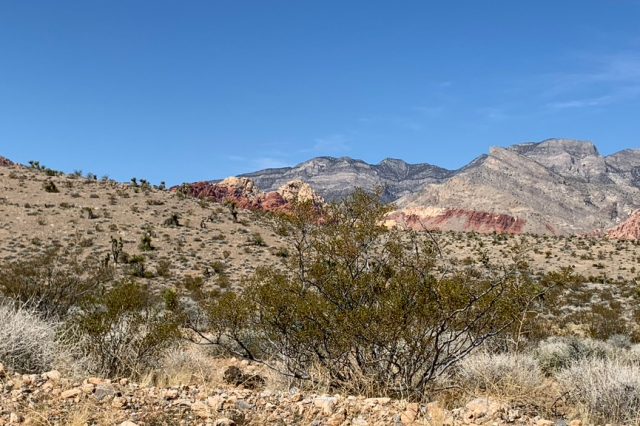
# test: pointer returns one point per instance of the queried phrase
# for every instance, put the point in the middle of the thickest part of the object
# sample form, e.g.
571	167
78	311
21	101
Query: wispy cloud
604	80
332	144
259	162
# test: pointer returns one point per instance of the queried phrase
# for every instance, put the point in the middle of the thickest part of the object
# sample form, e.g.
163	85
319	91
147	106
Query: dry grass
27	343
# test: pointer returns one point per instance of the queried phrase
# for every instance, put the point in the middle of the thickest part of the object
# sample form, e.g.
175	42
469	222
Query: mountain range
557	186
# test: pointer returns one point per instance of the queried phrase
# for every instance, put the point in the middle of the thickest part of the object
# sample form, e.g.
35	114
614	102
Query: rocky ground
51	399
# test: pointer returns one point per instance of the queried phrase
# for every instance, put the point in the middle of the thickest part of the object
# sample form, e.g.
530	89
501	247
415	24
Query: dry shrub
558	353
510	376
27	342
185	366
605	390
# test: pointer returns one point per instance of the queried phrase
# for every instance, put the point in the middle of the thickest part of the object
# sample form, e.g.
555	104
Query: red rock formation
463	220
244	193
5	162
627	230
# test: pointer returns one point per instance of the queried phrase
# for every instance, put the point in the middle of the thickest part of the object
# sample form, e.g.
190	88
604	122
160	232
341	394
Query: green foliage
49	186
145	242
53	282
124	332
366	305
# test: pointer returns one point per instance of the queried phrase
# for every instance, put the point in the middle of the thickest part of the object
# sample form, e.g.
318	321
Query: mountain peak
550	147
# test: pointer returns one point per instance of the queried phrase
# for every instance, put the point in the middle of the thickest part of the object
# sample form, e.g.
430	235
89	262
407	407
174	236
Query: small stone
87	388
243	405
171	394
103	391
53	375
71	393
224	422
15	418
119	402
215	402
327	403
543	422
481	408
98	381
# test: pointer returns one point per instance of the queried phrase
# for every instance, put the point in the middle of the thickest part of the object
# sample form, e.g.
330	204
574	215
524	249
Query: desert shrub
49	186
27	342
52	283
145	242
606	390
124	332
558	353
515	376
365	305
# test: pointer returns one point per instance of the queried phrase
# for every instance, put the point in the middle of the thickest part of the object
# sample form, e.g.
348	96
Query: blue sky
190	90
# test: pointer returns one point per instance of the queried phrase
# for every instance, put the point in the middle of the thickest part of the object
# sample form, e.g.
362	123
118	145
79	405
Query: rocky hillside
552	187
333	178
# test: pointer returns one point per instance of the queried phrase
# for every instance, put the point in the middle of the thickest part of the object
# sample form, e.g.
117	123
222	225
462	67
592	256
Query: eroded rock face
245	195
628	230
458	220
5	162
299	191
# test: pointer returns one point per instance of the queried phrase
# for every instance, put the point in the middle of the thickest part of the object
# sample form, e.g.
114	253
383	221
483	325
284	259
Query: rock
170	394
481	409
98	381
15	418
215	402
627	230
326	403
53	375
103	391
543	422
71	393
224	422
119	402
87	388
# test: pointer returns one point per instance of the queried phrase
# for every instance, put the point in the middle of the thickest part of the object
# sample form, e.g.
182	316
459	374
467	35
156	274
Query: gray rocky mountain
333	178
556	186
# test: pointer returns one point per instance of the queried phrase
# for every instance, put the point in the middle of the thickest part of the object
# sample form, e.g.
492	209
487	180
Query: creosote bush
365	305
52	283
124	332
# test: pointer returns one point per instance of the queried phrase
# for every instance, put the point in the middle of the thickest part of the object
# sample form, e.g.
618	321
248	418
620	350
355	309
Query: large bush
365	305
124	332
27	342
53	282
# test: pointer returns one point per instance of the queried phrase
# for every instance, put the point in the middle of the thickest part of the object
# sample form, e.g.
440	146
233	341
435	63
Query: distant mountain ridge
334	178
557	186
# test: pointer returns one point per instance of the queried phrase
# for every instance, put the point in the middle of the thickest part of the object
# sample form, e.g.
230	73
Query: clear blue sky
189	90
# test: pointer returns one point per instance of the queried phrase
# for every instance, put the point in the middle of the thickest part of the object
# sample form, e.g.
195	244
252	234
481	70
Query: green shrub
52	283
49	186
365	305
124	332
